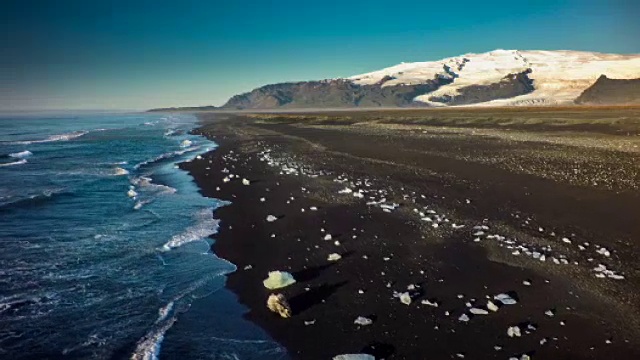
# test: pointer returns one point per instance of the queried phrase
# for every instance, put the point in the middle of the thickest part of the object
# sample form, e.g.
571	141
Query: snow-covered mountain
557	76
496	78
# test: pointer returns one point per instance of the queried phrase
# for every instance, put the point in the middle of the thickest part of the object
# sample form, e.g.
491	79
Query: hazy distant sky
141	54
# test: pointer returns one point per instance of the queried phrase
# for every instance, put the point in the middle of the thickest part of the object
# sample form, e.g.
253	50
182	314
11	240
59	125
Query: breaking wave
19	162
118	171
205	226
166	156
34	199
52	138
21	154
147	183
148	347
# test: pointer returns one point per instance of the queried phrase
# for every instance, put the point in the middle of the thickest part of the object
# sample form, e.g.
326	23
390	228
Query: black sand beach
456	207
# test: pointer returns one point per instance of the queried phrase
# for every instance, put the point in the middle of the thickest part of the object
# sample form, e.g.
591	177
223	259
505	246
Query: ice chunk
354	357
363	321
278	279
464	318
430	303
505	299
478	311
328	237
271	218
491	306
334	257
514	331
245	182
405	298
278	304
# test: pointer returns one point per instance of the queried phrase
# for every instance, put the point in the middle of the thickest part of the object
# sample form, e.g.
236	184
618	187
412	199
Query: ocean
104	244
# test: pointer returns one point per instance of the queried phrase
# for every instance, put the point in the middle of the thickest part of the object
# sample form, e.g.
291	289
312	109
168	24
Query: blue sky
141	54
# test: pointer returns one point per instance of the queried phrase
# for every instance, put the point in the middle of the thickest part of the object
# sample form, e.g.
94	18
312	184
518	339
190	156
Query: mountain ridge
494	78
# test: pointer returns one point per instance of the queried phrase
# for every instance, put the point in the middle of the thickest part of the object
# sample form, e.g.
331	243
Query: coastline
443	265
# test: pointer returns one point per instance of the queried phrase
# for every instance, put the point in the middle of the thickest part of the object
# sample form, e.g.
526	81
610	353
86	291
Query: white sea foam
118	171
164	311
21	154
147	184
205	226
167	156
19	162
148	348
140	203
52	138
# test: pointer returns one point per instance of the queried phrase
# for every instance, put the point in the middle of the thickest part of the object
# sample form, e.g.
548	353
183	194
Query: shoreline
400	255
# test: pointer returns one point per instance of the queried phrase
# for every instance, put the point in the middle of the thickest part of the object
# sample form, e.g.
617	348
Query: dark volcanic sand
527	190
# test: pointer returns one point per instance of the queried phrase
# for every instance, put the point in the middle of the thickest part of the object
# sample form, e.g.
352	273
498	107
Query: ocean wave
166	156
52	138
148	184
118	171
164	311
148	348
34	199
205	227
21	154
140	203
19	162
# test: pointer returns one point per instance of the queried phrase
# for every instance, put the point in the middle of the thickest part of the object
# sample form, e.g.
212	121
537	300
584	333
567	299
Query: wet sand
456	208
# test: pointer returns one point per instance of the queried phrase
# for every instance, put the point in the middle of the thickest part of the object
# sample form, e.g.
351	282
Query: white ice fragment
405	298
464	318
334	257
132	193
514	331
271	218
354	357
313	208
505	299
430	303
345	191
262	199
477	311
278	279
245	182
491	306
363	321
328	237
